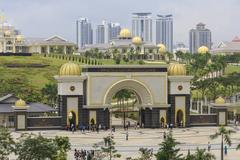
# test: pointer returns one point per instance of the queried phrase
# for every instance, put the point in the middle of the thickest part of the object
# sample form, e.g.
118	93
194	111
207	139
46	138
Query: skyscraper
164	31
198	37
107	32
115	30
142	26
85	32
100	34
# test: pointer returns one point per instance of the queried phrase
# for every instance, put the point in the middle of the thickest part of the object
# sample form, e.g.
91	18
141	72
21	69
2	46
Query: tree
50	92
63	146
225	137
109	150
36	147
200	154
117	59
21	87
168	150
123	96
146	154
6	143
201	85
169	56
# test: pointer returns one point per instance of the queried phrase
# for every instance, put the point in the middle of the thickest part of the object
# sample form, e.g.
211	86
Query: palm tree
225	137
201	154
50	92
168	150
146	154
169	56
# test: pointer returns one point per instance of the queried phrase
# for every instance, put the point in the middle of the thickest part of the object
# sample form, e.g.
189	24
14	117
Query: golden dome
137	40
125	33
20	103
176	69
162	48
219	100
19	38
70	69
203	50
7	33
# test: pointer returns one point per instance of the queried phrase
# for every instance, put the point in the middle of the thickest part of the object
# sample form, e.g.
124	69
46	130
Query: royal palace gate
85	97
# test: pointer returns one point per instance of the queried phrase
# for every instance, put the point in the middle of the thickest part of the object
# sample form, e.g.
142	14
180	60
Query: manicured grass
37	77
231	69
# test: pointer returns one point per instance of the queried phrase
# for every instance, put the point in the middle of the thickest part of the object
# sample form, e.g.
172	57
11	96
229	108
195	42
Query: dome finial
20	103
70	69
176	69
220	100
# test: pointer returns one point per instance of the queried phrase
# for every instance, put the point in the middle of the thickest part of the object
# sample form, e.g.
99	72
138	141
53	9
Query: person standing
164	135
225	150
72	128
97	128
127	135
209	146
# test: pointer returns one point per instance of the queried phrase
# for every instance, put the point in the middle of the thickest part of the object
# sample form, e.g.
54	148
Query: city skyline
164	31
62	22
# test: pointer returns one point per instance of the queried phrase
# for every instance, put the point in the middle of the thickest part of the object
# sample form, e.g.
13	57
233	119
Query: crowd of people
83	154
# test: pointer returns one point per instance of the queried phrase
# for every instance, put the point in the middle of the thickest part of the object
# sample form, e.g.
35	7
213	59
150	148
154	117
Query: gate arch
139	88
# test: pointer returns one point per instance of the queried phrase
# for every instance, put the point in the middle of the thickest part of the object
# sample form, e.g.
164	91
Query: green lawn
230	69
37	77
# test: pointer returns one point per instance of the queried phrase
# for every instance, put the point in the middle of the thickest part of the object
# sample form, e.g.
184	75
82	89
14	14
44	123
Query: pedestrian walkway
190	139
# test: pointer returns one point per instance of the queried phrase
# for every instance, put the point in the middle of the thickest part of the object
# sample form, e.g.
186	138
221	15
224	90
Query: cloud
43	18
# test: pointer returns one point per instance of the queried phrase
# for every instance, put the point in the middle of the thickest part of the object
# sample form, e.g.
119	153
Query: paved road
190	139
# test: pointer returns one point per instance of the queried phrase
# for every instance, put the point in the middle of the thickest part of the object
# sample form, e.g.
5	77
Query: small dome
19	38
20	103
125	33
162	48
137	40
203	50
219	100
7	33
70	69
176	69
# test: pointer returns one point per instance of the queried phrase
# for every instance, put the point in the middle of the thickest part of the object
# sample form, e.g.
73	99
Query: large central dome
125	33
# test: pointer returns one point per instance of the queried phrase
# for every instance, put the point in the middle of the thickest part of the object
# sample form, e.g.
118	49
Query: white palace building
127	45
12	41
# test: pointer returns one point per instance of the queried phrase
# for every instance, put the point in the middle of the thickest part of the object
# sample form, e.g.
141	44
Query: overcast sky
44	18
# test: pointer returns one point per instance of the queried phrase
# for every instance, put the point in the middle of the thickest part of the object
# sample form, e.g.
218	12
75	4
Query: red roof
236	39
